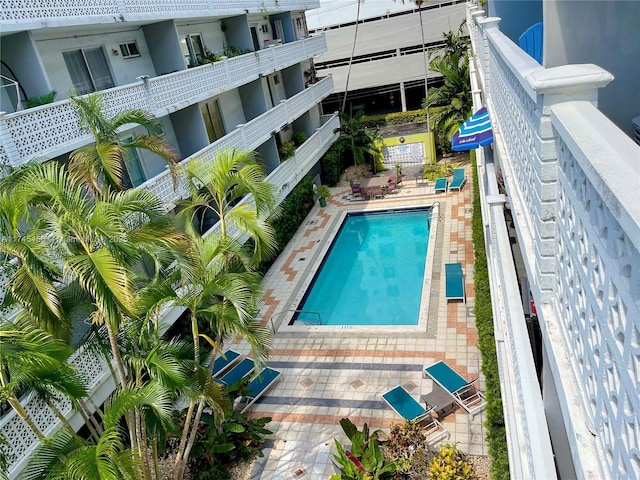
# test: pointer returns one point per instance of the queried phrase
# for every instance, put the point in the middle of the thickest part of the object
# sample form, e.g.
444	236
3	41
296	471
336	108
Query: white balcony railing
571	176
22	441
22	14
53	129
247	137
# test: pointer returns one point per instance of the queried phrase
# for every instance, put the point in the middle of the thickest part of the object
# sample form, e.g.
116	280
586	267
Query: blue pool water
373	273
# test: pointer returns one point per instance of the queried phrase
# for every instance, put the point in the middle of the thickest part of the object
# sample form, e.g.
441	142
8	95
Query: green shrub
293	211
236	440
397	118
41	99
365	460
496	432
450	464
287	150
299	138
331	168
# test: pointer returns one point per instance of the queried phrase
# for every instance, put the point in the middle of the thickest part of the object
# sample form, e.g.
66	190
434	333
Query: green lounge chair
458	180
441	185
224	362
463	392
408	408
258	386
454	282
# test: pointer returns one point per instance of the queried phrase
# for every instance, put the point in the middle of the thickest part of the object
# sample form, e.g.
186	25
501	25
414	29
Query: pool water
373	273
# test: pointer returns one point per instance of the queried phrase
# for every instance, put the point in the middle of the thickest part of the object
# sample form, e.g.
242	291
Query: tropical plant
365	460
218	187
237	439
287	150
359	141
101	165
450	464
299	138
450	104
41	99
32	360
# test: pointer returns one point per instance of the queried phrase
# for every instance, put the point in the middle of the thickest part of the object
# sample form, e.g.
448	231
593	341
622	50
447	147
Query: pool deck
328	374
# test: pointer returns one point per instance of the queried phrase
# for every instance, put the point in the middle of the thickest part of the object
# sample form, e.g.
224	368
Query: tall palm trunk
353	50
115	350
24	416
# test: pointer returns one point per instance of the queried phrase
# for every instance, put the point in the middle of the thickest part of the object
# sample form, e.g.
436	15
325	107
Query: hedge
397	118
496	432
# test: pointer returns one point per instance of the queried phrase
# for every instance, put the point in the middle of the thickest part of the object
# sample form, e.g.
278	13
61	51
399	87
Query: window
88	69
213	120
129	50
192	49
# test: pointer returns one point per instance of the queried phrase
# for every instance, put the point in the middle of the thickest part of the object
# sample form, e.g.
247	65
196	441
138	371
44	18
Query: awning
475	132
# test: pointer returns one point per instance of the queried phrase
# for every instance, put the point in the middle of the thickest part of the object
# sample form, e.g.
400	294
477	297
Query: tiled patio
331	372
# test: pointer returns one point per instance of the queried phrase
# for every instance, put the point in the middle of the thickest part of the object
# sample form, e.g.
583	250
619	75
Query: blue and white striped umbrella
475	132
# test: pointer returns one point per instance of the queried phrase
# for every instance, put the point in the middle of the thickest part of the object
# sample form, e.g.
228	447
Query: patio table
442	401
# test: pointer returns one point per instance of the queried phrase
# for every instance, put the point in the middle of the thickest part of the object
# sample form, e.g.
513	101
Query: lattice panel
126	98
598	288
182	86
239	69
165	6
37	130
42	9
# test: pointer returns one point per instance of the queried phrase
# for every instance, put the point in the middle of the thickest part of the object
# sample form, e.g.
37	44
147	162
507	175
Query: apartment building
389	68
562	228
216	74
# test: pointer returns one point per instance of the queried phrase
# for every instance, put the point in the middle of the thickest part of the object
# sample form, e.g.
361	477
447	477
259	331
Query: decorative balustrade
247	137
15	13
21	441
598	258
570	175
53	129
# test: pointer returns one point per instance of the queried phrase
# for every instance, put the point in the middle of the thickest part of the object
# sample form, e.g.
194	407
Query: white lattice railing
569	172
36	13
247	137
53	129
598	281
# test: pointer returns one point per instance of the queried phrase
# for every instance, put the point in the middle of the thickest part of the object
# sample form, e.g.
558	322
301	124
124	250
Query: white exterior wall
212	36
123	70
604	33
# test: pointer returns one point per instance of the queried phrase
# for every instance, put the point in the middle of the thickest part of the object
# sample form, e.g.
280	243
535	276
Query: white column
403	97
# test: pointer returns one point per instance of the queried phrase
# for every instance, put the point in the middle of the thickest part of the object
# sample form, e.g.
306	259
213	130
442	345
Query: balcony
32	14
53	129
570	176
246	137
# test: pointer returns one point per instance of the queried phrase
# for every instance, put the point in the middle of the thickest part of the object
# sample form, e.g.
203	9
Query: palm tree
217	188
102	164
99	241
223	293
450	103
31	359
356	138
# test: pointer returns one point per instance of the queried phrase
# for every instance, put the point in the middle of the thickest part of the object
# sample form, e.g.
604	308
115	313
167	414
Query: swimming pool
373	273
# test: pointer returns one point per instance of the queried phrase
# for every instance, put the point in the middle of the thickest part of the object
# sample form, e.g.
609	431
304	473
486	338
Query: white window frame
125	49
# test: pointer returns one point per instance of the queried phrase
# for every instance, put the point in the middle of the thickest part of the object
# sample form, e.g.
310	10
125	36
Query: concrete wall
123	70
516	15
164	47
20	53
190	130
604	33
237	33
231	110
211	33
254	98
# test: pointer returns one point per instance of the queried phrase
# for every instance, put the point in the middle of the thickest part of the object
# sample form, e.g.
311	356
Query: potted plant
323	193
